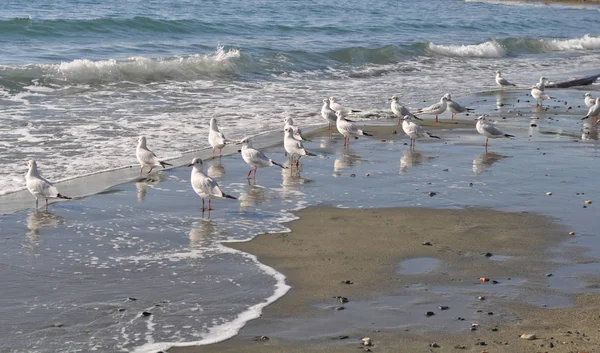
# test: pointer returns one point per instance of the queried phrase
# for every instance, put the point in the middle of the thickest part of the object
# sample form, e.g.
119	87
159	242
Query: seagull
501	81
348	129
297	133
255	158
589	101
537	92
435	109
594	110
335	106
40	187
216	138
328	114
205	186
454	107
400	111
488	130
294	147
414	130
146	157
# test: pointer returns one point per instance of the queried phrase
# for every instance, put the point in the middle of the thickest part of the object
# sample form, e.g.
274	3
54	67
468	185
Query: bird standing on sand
255	158
454	107
501	81
296	132
348	129
435	109
400	111
328	114
488	130
335	106
414	130
294	147
146	157
216	138
594	110
205	186
538	93
40	187
589	101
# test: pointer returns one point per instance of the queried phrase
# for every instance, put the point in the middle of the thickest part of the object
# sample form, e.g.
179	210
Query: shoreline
324	249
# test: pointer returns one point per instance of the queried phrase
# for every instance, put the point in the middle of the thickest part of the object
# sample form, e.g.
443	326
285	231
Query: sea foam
490	49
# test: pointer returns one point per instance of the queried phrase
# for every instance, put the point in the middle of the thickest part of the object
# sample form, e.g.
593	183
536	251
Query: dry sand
329	245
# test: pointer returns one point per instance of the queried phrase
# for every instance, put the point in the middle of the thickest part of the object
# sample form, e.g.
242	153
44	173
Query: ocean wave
490	49
135	69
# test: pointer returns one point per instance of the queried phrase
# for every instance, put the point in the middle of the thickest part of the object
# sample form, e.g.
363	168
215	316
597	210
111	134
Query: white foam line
222	332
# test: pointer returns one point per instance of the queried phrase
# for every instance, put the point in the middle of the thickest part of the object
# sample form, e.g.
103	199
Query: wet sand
328	246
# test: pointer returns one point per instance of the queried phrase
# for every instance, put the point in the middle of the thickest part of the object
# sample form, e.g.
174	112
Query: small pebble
427	243
490	313
264	338
432	194
495	329
528	336
429	313
121	309
549	275
342	337
347	282
488	254
58	324
495	282
571	233
340	308
480	298
146	313
367	174
551	345
461	318
434	345
548	193
471	184
366	341
484	279
131	299
443	307
352	175
587	202
458	346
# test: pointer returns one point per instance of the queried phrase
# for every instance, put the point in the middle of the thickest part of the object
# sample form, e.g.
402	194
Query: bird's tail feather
163	164
279	165
229	197
433	136
64	197
355	110
366	133
470	109
507	135
310	154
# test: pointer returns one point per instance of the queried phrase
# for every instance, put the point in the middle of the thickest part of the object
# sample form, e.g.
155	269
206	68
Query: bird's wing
492	130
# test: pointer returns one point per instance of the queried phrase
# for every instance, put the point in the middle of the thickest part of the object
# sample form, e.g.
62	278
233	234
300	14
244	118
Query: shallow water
77	263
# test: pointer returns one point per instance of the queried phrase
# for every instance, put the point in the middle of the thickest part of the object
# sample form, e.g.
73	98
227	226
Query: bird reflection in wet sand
200	236
142	184
292	181
344	161
36	221
216	170
252	197
485	160
410	159
589	132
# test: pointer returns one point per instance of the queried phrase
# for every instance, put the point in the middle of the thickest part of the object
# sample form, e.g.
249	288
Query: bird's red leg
150	170
436	119
249	173
36	203
141	169
209	205
202	205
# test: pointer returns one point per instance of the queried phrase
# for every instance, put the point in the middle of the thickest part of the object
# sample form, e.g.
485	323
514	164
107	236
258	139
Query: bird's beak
238	143
585	118
191	165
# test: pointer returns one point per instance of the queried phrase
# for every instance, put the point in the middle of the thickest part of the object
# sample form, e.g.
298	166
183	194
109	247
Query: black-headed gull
400	111
537	92
205	186
335	106
435	109
255	158
294	147
488	130
589	101
216	138
297	132
348	129
146	157
328	114
40	187
414	130
594	110
501	81
454	107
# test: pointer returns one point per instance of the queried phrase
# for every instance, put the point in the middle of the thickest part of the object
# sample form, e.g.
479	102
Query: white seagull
328	114
335	106
146	157
348	129
255	158
435	109
297	133
294	147
488	130
589	101
538	93
594	110
501	81
205	186
400	111
216	138
414	130
454	107
40	187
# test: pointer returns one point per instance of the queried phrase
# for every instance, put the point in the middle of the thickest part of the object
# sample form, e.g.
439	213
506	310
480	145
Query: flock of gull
333	112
